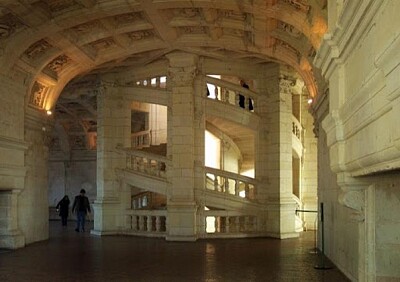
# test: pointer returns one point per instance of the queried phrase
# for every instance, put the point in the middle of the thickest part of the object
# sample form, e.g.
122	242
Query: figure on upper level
242	97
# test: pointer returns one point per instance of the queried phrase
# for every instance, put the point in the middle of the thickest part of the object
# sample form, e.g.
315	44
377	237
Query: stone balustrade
153	82
220	223
230	183
229	93
141	139
145	162
147	222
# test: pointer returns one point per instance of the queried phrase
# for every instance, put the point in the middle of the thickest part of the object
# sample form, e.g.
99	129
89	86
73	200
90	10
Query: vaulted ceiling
55	41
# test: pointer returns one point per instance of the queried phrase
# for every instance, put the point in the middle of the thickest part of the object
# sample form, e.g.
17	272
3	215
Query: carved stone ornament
142	34
88	27
128	18
103	44
38	94
193	29
9	24
187	12
182	76
289	29
286	83
233	15
59	63
37	48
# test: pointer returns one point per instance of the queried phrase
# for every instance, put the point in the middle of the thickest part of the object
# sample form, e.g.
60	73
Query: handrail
141	139
232	94
229	174
231	86
230	183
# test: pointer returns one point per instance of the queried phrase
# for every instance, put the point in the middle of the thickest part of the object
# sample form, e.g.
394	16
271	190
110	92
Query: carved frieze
193	30
88	27
291	30
128	18
38	48
141	34
187	12
59	63
233	15
103	44
38	94
9	24
286	84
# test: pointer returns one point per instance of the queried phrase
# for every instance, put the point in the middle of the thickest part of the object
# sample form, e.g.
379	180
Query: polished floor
71	256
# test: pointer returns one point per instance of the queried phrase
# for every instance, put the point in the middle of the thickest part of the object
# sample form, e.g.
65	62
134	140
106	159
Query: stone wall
68	177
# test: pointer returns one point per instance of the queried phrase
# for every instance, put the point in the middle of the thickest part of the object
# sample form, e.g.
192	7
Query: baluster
149	223
236	187
246	223
158	223
216	224
237	98
158	83
227	224
246	190
237	224
141	223
215	183
216	92
226	185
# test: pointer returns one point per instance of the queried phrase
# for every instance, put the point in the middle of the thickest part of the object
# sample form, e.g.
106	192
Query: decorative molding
299	5
286	83
182	76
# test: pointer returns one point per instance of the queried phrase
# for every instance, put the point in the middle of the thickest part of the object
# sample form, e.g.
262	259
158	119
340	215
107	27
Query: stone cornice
340	43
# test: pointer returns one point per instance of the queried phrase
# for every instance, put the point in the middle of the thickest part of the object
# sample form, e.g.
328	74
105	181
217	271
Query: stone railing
230	93
141	139
145	162
152	223
154	82
297	129
228	224
230	183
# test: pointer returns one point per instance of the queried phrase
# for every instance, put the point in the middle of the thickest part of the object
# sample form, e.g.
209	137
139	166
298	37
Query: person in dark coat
63	208
81	206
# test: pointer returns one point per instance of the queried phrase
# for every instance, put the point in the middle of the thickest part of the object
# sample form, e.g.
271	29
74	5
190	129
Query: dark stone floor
71	256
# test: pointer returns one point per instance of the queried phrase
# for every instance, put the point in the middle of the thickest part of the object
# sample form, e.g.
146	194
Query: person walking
81	206
63	208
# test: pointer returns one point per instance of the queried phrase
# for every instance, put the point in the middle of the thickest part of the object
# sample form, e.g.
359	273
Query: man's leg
83	221
77	221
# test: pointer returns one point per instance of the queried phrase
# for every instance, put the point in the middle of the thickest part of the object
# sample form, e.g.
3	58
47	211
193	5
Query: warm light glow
310	101
49	113
212	150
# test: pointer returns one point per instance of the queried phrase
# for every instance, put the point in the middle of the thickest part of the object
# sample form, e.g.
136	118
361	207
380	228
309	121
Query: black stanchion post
322	264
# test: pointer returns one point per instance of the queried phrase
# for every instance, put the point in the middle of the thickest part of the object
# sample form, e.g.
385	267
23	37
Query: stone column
274	157
185	146
12	160
113	129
